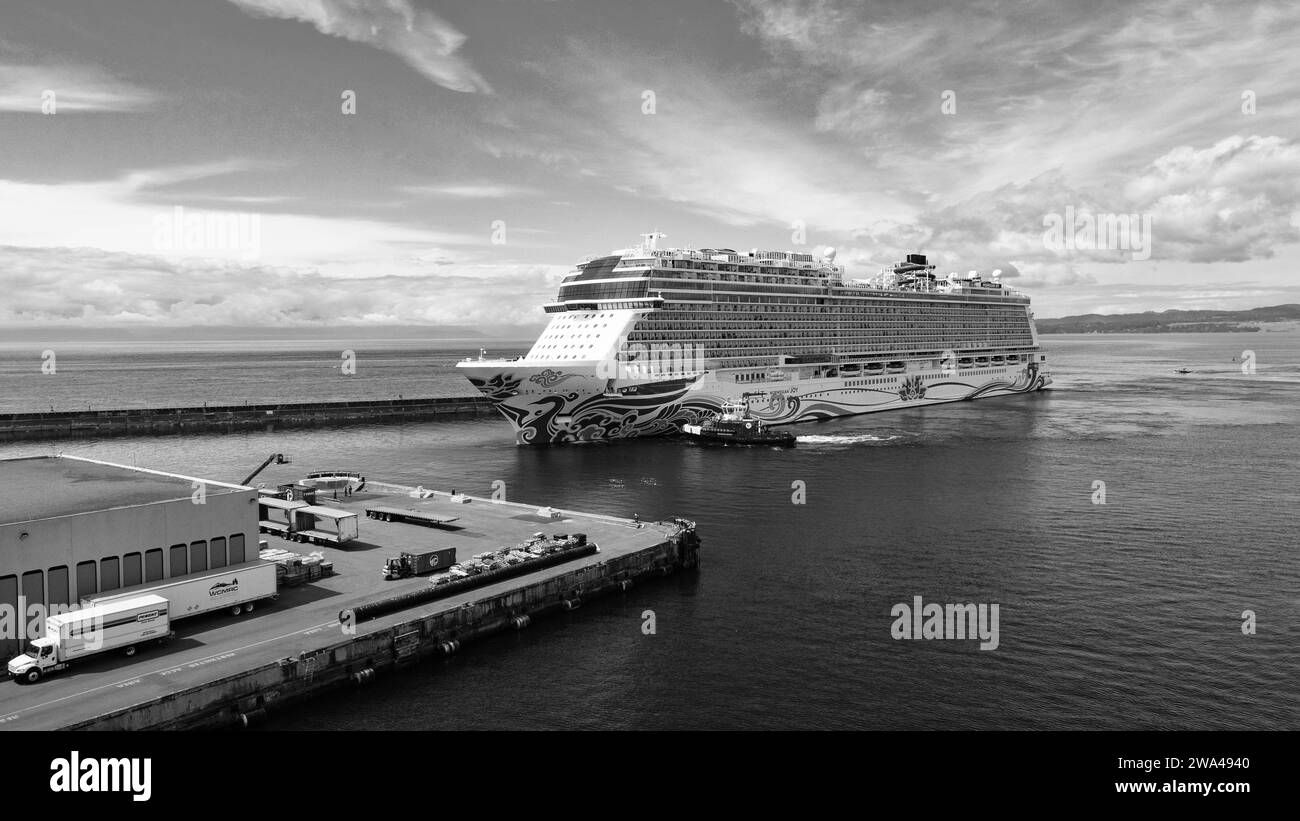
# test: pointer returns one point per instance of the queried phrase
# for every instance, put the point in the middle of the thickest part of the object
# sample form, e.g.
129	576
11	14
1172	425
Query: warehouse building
73	527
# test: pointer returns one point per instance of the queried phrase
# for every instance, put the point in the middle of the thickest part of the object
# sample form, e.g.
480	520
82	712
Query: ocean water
1123	615
108	375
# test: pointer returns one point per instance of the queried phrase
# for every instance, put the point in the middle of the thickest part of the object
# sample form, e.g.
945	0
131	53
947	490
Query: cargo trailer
235	589
276	515
324	525
387	513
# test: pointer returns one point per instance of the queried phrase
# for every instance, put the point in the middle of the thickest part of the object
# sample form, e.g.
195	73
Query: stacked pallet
294	568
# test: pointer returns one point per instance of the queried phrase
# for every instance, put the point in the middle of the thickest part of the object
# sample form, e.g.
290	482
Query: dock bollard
364	676
573	603
449	647
251	718
625	585
520	622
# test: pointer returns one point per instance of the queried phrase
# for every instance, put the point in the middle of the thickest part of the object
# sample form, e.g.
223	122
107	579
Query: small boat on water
736	426
335	480
1183	370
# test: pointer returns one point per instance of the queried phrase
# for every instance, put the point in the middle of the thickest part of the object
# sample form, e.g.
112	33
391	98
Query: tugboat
736	426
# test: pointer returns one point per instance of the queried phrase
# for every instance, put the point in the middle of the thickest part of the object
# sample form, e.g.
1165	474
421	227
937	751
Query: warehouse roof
47	486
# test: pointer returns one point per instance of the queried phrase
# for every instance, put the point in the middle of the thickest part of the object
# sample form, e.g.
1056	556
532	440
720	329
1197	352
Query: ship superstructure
645	339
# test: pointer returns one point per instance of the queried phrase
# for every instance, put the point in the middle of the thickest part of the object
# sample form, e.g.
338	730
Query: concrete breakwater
223	418
246	697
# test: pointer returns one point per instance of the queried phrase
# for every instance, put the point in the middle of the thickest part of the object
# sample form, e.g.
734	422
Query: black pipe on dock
374	610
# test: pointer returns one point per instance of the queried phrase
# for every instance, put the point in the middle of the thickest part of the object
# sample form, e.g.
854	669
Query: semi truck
89	631
236	589
418	564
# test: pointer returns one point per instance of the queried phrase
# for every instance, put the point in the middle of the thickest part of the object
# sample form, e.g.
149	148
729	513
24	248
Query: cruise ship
646	339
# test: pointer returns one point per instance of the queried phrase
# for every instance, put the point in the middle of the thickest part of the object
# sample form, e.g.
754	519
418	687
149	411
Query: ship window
131	569
177	564
110	577
198	556
153	565
59	584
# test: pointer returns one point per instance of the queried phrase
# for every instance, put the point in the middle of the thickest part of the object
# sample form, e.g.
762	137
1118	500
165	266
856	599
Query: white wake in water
843	440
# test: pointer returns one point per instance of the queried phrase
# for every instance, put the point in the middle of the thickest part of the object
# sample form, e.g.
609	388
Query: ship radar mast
648	241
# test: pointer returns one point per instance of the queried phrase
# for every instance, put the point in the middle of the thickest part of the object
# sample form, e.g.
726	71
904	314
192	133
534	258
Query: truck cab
39	657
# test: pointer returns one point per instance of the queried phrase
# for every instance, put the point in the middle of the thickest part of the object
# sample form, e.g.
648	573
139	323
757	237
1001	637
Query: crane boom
278	458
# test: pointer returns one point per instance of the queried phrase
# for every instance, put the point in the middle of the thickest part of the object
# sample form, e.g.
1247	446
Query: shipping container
431	560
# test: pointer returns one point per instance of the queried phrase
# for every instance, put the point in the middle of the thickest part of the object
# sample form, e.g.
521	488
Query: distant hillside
1166	322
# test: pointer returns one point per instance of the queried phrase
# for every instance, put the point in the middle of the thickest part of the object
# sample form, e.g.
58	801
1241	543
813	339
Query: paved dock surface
305	618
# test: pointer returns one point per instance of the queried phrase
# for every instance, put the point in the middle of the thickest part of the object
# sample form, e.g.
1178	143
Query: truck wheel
130	651
33	675
248	608
236	610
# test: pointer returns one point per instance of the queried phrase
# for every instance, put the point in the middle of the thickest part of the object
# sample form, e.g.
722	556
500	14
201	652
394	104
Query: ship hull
546	406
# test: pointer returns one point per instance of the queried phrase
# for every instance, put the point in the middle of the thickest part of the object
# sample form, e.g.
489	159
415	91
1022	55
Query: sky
181	163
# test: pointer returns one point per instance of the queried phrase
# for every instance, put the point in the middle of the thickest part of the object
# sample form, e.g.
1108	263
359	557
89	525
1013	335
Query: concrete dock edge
248	697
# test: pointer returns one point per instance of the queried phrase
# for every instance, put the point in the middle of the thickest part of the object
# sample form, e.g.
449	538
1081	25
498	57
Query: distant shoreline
1177	321
1197	330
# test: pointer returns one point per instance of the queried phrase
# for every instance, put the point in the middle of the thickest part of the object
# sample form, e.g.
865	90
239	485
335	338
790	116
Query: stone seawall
147	421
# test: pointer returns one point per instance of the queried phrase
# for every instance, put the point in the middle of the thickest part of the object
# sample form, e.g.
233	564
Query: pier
227	418
234	671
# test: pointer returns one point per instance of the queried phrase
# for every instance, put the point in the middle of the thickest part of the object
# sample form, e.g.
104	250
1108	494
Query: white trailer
236	589
276	515
89	631
323	525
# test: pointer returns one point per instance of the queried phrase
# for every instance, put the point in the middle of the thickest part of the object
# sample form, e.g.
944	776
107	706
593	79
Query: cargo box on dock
431	560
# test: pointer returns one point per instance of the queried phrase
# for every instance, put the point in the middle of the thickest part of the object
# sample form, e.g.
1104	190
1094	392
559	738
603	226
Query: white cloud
424	40
133	214
75	88
83	286
477	190
1235	200
714	146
